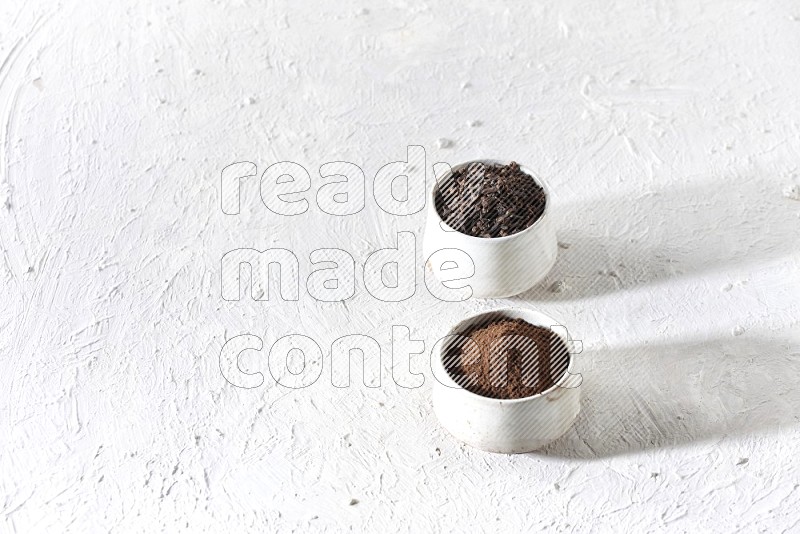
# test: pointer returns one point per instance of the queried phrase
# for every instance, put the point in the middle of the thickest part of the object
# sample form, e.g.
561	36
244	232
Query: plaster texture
669	133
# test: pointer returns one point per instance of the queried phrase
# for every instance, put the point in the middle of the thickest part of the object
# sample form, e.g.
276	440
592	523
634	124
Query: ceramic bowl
506	425
503	266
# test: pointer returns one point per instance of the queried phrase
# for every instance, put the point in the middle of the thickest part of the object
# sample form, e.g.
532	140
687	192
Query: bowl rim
494	400
491	161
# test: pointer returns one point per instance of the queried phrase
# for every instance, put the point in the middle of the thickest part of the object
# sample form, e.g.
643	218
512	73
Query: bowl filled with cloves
494	216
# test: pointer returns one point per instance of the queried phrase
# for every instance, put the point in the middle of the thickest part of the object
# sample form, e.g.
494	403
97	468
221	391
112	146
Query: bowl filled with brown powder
490	219
503	381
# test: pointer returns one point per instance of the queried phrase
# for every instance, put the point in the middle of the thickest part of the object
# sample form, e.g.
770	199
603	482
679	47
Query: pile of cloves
487	200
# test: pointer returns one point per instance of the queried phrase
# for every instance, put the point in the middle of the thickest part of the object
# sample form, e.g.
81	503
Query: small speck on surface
792	192
559	286
563	245
738	331
354	502
742	461
444	143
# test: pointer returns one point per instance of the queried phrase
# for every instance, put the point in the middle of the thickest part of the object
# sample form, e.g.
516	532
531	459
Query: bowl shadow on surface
648	397
618	243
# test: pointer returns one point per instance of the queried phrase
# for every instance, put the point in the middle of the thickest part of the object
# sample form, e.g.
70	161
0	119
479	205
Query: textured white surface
669	133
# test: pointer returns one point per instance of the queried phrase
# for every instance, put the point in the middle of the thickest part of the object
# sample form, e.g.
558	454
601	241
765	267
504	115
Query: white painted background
669	132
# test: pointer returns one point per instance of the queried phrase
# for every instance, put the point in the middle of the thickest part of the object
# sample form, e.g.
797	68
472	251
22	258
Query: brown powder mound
507	359
490	200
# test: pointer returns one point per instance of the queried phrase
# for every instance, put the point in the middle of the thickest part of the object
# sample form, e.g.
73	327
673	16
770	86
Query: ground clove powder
507	359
